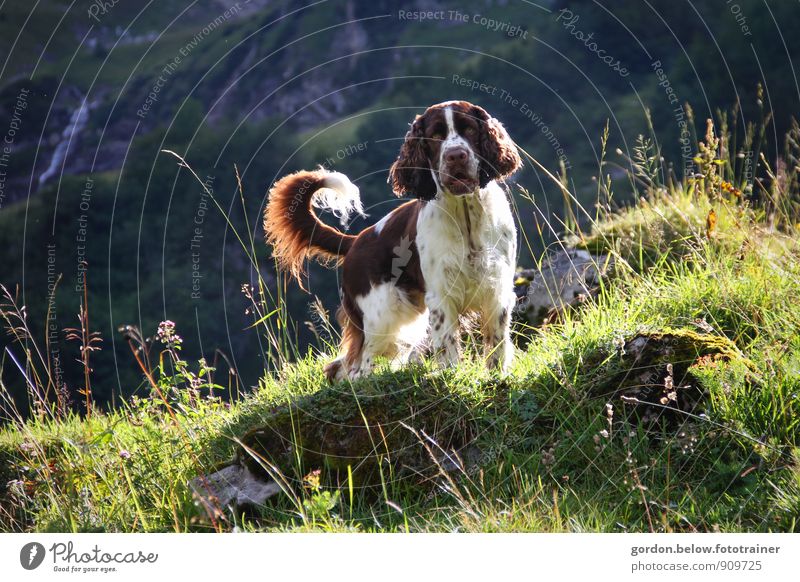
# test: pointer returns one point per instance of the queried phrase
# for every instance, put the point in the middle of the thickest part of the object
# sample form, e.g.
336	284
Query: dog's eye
438	136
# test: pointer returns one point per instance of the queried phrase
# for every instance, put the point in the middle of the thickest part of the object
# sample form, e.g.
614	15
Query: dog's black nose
455	155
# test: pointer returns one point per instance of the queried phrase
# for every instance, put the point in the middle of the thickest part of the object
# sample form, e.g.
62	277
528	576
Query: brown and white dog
449	253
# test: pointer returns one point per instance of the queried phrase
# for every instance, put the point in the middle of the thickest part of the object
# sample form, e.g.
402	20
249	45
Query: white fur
339	196
468	266
453	139
393	327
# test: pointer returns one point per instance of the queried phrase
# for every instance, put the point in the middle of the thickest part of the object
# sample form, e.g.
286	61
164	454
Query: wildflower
610	421
247	290
730	188
671	395
549	456
711	224
124	455
167	335
312	480
599	446
16	487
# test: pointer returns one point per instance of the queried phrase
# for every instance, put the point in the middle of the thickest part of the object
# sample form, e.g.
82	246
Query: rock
233	486
397	425
652	375
361	433
564	279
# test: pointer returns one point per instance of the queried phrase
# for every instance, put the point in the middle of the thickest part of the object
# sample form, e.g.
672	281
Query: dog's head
454	147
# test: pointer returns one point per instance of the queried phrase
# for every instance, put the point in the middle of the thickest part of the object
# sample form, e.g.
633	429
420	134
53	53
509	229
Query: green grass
538	460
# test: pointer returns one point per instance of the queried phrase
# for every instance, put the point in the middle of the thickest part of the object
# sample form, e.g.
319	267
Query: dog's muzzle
457	174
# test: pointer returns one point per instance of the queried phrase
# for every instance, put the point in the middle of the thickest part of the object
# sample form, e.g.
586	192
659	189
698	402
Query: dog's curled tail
292	226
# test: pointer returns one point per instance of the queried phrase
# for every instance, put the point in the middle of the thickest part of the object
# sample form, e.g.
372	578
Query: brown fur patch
293	228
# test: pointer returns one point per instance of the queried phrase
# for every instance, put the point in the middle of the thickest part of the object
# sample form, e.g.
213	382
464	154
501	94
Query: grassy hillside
668	402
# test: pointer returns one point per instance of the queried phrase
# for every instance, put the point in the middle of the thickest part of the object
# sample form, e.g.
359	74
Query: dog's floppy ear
411	173
498	154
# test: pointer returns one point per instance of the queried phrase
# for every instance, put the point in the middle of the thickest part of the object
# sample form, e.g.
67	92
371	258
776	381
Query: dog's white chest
467	247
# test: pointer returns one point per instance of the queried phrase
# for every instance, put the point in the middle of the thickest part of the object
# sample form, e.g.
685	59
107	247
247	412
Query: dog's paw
334	371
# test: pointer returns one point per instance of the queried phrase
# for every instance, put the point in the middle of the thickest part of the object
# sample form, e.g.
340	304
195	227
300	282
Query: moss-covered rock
402	425
654	373
359	428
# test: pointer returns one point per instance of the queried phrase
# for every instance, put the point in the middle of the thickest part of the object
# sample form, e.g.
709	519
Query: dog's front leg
496	329
445	330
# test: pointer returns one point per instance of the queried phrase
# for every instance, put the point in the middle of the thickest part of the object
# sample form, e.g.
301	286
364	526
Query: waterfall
77	122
